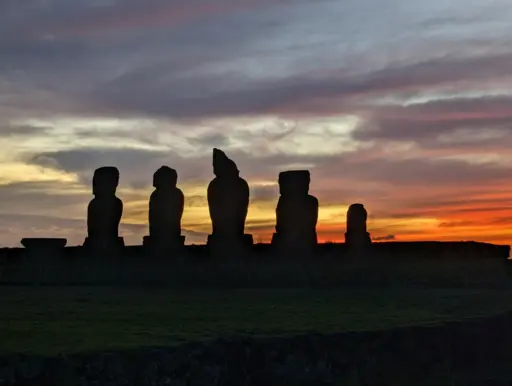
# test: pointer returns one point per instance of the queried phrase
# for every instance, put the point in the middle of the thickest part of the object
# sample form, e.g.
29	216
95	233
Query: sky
401	105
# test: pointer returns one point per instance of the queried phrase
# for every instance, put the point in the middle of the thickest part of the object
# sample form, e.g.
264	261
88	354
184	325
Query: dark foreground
477	352
402	336
414	320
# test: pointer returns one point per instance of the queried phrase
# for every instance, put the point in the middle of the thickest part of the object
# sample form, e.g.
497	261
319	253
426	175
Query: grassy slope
50	320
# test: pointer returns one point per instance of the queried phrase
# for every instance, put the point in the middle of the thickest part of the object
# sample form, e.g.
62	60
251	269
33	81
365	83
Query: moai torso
297	216
105	209
165	205
228	197
357	233
297	211
103	217
356	219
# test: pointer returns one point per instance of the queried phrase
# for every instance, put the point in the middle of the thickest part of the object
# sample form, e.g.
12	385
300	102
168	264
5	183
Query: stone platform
468	264
170	245
441	265
291	246
221	245
116	246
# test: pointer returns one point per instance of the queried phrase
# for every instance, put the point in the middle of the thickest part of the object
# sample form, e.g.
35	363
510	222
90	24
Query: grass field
65	320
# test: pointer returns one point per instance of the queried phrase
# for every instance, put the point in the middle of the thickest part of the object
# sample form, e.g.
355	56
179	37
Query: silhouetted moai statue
356	236
104	211
228	202
296	214
166	205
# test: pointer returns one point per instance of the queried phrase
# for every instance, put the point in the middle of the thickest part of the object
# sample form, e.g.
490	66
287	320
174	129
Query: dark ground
105	336
65	320
271	328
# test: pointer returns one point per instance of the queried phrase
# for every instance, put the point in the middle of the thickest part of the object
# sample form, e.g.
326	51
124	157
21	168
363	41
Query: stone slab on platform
294	246
357	239
43	243
43	247
116	245
170	245
219	244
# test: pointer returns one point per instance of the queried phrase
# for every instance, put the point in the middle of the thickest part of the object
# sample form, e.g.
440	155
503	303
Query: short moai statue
228	202
356	236
296	214
166	205
104	211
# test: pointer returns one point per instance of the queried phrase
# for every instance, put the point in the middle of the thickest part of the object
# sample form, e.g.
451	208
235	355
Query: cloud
131	15
406	109
483	119
136	165
40	198
214	73
384	238
296	95
210	140
264	192
20	131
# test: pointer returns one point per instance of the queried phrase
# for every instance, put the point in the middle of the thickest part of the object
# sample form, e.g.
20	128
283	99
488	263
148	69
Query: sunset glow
392	107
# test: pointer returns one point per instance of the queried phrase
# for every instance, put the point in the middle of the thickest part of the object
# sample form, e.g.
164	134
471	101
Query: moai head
294	183
165	178
223	166
356	217
105	181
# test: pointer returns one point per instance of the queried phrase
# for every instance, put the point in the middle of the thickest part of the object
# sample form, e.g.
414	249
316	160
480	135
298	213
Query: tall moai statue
104	211
166	205
296	214
356	235
228	202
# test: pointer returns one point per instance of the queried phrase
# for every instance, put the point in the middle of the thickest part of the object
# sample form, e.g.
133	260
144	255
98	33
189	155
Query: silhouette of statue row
228	202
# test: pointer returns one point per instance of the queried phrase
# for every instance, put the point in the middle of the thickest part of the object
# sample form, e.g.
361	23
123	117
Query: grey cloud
359	170
210	140
10	130
415	129
125	74
299	91
411	172
264	193
460	123
136	165
196	201
39	197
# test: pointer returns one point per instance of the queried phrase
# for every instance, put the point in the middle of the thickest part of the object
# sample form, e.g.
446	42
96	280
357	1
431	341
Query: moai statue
296	214
356	235
228	202
166	205
104	211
